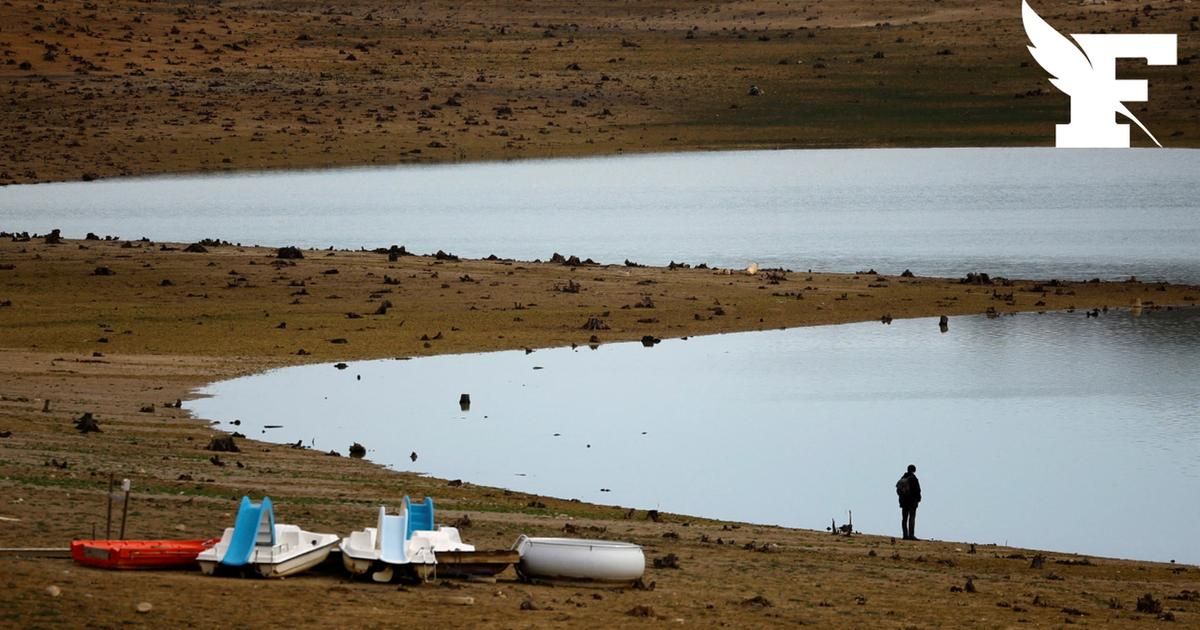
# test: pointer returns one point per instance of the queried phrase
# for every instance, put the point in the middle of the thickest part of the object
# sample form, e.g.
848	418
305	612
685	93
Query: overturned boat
579	560
139	554
256	543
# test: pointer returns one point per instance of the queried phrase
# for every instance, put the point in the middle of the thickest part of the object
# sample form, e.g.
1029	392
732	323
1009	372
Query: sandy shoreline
126	346
222	300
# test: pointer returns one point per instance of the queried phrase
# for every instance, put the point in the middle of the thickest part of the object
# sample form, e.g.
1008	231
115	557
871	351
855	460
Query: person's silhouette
908	490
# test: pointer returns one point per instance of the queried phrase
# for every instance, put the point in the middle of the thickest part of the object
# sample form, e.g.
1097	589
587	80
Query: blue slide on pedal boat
404	543
270	549
385	549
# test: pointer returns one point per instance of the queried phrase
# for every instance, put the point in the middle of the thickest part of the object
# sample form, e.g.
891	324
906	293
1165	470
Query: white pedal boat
579	559
256	542
402	542
380	550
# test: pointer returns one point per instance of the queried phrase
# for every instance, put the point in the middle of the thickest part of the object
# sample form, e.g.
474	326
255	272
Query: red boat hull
139	554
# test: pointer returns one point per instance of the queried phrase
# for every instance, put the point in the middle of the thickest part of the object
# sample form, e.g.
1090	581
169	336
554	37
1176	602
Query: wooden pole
108	521
125	506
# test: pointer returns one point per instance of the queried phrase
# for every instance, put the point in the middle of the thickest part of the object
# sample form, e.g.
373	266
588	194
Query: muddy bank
285	306
126	344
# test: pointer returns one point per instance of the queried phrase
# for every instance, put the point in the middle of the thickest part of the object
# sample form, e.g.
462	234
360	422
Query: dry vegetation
125	344
95	89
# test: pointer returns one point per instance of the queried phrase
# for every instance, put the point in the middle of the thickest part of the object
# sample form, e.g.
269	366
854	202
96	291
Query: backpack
903	488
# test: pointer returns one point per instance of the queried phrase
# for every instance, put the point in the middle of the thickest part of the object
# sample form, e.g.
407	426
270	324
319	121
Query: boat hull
381	571
579	560
295	564
357	566
139	554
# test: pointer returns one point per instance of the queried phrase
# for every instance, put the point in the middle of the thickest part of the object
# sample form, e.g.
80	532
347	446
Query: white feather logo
1073	72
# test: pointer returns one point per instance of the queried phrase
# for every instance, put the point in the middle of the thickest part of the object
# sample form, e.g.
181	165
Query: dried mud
126	346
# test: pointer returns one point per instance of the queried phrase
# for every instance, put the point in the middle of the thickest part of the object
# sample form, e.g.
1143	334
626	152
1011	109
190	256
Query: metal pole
108	521
125	507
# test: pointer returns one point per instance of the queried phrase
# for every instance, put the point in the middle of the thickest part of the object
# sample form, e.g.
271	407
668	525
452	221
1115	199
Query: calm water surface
1013	212
1047	431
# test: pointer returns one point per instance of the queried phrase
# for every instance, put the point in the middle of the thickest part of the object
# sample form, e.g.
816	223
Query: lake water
1050	431
1012	212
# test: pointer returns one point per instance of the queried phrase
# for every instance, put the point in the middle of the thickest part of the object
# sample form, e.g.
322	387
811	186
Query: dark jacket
914	491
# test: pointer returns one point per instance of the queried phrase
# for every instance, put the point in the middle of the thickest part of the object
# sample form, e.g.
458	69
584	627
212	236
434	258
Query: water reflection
1049	431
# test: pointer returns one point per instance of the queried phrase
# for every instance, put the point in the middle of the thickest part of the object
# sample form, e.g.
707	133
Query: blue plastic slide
392	534
255	524
420	516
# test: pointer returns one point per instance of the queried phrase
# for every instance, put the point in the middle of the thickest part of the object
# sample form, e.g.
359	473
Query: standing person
908	490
